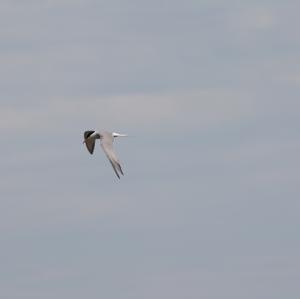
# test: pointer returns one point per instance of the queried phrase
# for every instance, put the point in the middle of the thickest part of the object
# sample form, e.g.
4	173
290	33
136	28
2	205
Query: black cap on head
87	134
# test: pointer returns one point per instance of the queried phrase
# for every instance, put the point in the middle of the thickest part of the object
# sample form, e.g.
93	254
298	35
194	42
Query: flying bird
106	141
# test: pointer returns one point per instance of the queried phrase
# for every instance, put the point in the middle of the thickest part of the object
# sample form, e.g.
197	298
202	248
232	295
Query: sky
208	92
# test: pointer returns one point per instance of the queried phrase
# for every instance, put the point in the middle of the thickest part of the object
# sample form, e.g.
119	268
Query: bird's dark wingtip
120	168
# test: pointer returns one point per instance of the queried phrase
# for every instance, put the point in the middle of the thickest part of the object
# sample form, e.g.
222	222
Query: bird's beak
83	142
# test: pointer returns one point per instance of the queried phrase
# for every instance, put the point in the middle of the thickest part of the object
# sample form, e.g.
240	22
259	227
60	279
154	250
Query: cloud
184	109
259	18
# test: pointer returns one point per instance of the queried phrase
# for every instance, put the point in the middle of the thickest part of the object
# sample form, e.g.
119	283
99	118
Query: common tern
106	141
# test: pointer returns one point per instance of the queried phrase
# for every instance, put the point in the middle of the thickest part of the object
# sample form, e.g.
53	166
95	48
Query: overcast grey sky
208	207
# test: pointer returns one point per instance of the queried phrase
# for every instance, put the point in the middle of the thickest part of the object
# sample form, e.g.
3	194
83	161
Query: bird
106	141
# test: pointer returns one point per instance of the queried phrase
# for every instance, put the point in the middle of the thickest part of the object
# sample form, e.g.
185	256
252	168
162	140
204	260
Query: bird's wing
107	146
90	145
89	142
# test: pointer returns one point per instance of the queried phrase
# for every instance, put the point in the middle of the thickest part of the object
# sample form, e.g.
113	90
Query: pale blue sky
208	207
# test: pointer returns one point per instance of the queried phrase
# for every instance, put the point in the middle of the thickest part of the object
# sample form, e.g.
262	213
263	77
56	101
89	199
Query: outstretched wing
89	142
107	146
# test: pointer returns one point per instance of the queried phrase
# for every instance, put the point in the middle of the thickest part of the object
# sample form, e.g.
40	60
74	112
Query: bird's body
106	141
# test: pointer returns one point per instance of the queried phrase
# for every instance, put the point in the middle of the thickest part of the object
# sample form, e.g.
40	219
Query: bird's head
90	134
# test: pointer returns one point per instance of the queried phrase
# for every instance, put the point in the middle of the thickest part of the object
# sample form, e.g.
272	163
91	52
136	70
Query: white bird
106	141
